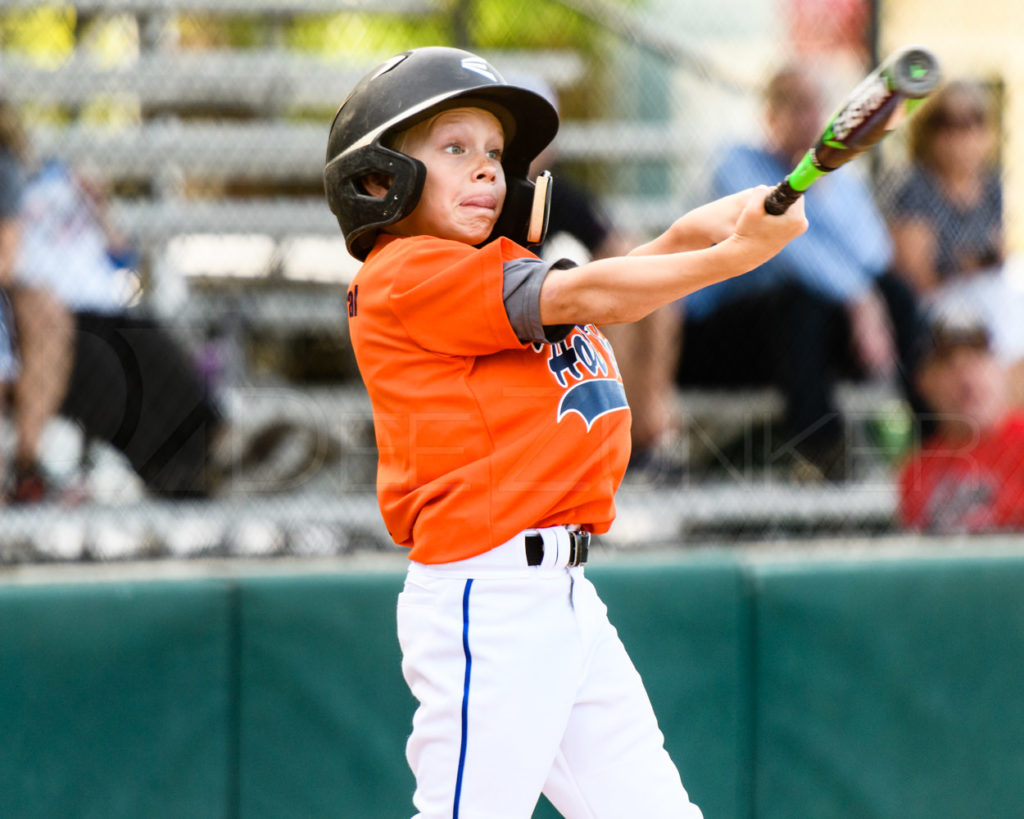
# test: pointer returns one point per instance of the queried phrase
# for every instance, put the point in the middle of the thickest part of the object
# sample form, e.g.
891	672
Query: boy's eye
454	148
495	154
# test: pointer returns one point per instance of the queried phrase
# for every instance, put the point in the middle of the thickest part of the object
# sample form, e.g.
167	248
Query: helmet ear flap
361	215
516	213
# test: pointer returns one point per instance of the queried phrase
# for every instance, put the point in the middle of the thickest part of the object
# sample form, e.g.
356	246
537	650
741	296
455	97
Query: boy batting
503	434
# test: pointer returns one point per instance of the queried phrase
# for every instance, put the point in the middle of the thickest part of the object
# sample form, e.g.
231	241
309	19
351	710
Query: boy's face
465	186
966	385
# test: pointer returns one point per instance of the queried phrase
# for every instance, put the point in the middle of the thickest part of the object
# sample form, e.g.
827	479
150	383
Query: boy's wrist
738	255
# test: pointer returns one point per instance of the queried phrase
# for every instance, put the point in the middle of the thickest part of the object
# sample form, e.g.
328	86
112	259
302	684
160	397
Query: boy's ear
376	184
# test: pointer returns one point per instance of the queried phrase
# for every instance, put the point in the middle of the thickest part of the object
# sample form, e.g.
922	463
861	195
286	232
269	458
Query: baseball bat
882	100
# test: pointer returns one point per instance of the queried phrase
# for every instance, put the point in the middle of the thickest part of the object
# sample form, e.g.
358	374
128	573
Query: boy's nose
487	170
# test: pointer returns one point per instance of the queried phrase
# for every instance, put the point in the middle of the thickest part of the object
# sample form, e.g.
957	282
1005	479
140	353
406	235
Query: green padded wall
685	625
324	711
883	688
890	689
114	701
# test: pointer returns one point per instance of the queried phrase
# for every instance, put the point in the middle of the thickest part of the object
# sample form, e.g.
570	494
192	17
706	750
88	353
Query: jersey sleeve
450	297
523	279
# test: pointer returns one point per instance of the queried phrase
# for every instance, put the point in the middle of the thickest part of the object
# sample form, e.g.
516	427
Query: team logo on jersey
584	365
592	399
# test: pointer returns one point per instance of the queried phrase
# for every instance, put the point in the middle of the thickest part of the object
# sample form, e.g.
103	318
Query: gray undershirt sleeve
521	293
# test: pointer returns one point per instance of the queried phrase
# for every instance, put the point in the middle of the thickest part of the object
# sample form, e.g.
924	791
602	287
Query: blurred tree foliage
49	33
46	34
482	24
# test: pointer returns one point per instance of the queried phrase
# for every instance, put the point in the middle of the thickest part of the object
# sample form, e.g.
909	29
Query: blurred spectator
946	214
131	384
968	476
34	353
946	217
825	307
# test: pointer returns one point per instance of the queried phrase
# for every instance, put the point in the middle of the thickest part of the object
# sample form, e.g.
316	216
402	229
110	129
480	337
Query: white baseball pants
524	687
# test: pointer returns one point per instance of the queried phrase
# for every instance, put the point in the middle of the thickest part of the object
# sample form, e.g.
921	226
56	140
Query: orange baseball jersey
480	435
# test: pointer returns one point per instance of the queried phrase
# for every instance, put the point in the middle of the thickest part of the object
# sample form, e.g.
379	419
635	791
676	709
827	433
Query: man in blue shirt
825	307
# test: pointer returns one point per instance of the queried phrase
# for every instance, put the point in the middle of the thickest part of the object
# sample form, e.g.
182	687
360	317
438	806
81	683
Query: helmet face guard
408	89
346	193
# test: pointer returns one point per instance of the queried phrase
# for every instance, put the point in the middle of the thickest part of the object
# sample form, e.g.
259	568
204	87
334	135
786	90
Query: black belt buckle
534	550
579	547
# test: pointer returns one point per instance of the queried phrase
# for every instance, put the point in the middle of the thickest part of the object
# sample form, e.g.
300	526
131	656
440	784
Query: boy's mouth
482	201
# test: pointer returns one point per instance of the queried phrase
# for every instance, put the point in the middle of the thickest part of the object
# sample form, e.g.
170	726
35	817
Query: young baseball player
503	433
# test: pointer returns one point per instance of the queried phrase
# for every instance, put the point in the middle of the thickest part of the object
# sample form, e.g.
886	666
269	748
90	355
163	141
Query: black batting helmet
407	89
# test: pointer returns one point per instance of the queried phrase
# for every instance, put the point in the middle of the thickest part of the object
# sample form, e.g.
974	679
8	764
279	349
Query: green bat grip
792	187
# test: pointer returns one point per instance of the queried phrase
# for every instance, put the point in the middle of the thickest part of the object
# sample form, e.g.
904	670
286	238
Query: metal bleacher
231	143
167	151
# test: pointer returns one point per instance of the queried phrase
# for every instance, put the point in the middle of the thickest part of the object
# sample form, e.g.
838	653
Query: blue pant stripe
465	696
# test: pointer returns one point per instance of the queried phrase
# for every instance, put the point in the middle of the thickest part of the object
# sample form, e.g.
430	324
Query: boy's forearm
699	228
742	236
679	238
625	289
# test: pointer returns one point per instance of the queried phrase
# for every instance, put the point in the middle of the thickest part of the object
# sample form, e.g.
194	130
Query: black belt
579	547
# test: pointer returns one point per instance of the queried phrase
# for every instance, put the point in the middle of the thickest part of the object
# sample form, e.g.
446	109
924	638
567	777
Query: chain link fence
200	125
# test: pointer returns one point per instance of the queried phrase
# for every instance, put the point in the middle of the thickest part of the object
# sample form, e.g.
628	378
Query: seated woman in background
946	217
